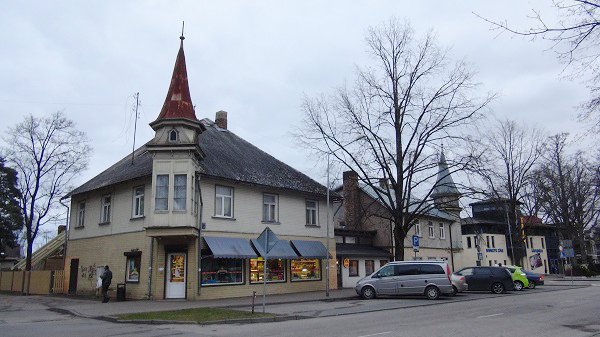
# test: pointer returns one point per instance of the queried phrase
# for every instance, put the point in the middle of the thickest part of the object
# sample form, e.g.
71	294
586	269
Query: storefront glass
306	269
222	271
133	268
275	270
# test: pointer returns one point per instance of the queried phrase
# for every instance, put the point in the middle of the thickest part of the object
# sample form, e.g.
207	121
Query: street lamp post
327	225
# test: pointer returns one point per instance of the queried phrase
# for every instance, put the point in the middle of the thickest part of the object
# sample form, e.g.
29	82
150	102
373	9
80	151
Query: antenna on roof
137	104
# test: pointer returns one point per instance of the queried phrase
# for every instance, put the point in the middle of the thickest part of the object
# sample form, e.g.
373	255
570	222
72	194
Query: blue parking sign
415	242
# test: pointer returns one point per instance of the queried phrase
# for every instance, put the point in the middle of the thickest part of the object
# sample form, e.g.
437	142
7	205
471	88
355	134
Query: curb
114	319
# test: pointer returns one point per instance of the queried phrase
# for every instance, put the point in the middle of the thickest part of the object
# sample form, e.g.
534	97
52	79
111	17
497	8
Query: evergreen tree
11	218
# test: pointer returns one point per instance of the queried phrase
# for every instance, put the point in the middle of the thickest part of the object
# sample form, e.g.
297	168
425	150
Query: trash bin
121	291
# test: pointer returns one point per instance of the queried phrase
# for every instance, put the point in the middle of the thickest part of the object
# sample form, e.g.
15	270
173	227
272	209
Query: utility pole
137	104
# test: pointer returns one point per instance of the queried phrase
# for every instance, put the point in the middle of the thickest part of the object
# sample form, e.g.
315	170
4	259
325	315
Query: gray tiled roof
432	211
227	157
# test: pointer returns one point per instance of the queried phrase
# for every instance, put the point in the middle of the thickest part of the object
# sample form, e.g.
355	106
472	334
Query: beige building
180	218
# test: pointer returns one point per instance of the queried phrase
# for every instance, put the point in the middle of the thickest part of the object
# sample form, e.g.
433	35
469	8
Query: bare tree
47	153
576	39
511	152
569	188
390	124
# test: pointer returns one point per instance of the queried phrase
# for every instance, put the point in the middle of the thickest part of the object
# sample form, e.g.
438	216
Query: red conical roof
178	103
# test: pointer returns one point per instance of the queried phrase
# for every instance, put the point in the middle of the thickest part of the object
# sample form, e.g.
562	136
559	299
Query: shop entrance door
176	280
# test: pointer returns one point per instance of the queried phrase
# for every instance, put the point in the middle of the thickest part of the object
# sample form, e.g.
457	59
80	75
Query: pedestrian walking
106	279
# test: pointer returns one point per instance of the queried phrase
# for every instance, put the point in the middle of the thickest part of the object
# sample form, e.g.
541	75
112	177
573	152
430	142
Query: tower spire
178	103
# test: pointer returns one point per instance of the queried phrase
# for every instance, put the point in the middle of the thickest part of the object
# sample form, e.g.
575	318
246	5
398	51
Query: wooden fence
42	282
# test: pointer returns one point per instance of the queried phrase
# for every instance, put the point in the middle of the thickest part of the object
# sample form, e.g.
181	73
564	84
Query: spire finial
182	28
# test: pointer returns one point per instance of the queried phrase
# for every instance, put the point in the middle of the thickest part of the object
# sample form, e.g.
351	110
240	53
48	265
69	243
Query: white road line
492	315
377	334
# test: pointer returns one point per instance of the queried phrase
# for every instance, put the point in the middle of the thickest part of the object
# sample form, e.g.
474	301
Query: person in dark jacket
106	279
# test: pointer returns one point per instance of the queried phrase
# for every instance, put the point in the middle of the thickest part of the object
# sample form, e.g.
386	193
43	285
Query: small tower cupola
445	194
177	127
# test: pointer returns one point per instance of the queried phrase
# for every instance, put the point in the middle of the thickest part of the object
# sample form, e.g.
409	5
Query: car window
407	269
466	272
512	270
386	271
431	269
483	271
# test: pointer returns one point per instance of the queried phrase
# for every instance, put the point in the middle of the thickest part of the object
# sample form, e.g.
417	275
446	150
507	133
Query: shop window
353	268
306	269
161	200
180	192
275	270
133	269
369	267
224	201
222	271
138	202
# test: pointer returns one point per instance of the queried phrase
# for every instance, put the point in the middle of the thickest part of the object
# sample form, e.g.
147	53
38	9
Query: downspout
150	268
199	194
66	238
451	246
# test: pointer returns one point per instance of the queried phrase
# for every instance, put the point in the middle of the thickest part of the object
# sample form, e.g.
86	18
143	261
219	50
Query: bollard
253	297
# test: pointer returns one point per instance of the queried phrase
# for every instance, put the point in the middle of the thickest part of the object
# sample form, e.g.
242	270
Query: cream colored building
180	218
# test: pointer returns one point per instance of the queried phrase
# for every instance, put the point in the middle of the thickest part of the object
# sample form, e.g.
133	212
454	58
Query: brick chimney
351	200
221	119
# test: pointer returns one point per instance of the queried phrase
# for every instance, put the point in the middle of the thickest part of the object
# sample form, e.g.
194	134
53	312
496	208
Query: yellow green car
519	277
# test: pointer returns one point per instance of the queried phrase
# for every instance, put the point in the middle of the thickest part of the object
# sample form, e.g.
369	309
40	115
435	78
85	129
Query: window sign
133	268
306	269
222	271
176	274
275	270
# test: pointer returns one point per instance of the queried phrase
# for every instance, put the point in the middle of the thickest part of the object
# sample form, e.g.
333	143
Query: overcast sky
254	59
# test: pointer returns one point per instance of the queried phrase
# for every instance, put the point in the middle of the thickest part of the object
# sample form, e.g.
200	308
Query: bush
584	270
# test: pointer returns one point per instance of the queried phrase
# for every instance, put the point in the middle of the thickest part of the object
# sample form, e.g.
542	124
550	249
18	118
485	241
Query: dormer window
173	136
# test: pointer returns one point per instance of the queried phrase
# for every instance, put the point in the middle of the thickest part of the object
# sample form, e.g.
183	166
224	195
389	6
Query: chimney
61	228
221	119
351	200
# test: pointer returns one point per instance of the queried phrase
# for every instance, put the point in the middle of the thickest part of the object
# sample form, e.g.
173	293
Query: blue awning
310	249
222	247
280	250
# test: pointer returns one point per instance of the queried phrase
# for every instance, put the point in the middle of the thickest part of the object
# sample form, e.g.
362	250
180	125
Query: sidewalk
86	308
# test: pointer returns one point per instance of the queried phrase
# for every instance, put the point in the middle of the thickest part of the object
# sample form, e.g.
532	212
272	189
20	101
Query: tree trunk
399	237
28	265
582	248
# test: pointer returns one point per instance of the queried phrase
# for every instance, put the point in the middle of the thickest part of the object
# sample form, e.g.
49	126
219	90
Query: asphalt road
565	312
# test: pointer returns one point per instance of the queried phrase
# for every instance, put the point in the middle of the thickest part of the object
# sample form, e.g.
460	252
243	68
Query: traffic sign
415	243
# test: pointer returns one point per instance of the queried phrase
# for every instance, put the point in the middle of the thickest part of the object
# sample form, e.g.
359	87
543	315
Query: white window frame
105	208
442	231
138	202
431	230
221	213
180	197
156	193
176	136
270	207
81	214
310	219
418	229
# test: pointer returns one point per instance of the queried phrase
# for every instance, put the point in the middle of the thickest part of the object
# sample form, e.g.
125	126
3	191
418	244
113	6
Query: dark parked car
494	279
534	279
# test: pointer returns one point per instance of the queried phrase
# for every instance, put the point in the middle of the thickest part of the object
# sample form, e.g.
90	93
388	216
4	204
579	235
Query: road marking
377	334
492	315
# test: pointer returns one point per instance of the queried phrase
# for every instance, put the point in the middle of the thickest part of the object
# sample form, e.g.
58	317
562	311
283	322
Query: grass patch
198	315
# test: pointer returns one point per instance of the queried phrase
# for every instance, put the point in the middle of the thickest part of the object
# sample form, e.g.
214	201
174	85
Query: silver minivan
430	278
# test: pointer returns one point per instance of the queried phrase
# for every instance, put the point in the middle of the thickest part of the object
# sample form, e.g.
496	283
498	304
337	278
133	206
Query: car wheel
432	293
368	293
518	285
497	288
531	285
454	291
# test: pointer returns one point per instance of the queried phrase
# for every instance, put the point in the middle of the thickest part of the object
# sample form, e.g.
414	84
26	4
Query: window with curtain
180	192
224	201
161	200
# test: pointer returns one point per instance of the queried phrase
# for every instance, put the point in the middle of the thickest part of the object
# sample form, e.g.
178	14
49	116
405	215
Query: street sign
415	243
479	256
